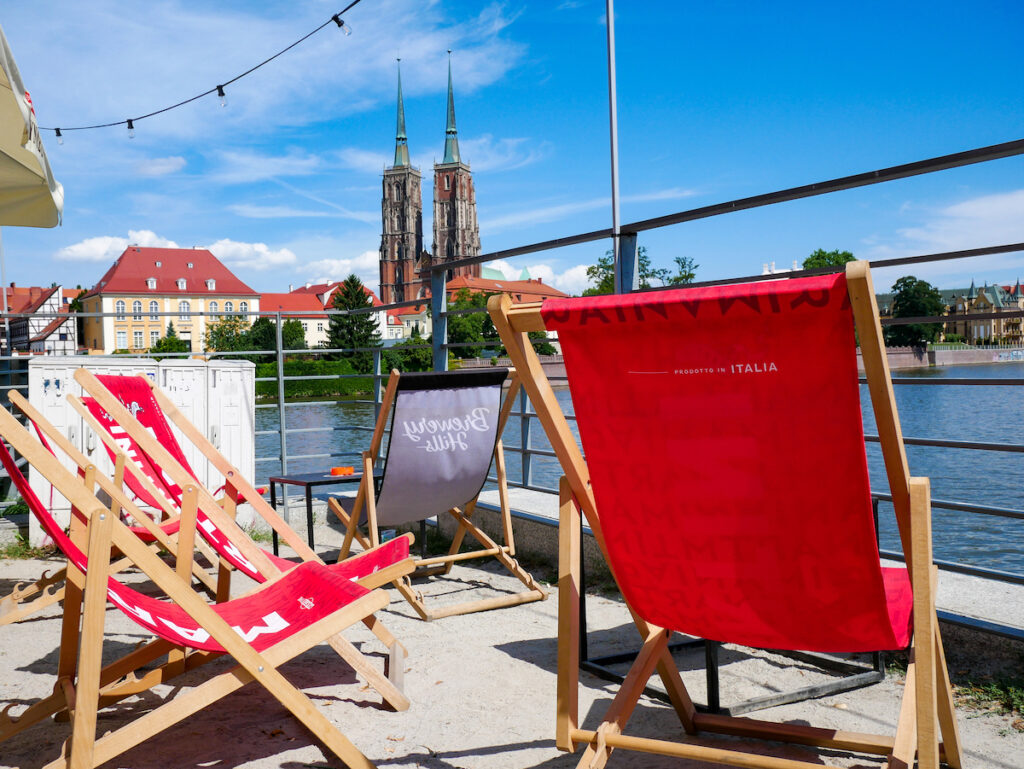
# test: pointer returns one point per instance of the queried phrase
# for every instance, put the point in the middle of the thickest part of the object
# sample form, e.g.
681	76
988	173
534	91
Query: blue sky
716	101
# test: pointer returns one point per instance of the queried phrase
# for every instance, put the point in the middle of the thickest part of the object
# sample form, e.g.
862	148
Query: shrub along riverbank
336	386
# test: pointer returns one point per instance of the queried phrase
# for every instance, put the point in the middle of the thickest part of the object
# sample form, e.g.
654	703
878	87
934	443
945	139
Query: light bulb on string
60	137
342	25
222	96
131	129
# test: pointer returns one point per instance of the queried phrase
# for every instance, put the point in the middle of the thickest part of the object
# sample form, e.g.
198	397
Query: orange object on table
342	470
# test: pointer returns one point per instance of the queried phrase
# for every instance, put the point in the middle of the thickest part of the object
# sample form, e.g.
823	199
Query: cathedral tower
456	234
402	215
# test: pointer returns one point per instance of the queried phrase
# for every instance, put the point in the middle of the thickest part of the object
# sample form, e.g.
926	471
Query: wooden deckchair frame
927	709
25	600
80	684
235	486
504	553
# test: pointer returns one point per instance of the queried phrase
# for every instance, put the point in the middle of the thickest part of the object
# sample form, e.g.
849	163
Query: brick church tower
404	265
401	243
456	234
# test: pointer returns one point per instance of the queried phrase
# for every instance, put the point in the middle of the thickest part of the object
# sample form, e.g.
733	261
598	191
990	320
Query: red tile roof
533	290
294	302
128	275
327	291
52	326
26	298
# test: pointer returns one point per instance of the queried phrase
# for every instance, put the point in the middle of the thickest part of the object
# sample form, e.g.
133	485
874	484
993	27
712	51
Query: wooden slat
567	700
925	624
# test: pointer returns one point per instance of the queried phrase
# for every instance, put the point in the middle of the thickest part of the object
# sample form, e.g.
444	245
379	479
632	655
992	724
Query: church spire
451	139
401	148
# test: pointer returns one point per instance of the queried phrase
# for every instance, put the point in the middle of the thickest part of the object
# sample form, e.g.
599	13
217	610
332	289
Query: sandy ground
482	689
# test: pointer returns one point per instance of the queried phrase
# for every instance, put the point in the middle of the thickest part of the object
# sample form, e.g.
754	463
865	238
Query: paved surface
482	689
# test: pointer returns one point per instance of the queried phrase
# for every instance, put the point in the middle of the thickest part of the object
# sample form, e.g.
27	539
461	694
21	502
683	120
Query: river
963	413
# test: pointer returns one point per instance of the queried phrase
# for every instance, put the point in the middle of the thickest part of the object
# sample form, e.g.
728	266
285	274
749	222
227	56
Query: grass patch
21	549
258	534
1004	696
17	508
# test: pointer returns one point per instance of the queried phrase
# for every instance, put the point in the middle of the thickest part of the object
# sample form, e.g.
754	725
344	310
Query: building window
211	284
154	308
136	310
154	337
190	265
213	311
320	327
150	282
183	310
62	336
447	182
305	327
181	284
243	307
122	340
137	340
229	306
119	309
159	264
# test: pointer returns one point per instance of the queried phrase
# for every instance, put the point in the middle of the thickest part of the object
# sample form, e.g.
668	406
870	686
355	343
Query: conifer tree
356	330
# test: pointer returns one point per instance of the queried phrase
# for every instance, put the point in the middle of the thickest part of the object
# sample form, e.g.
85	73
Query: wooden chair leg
947	713
922	574
905	743
567	699
90	657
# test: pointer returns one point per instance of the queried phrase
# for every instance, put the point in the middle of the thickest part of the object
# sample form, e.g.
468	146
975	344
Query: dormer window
159	264
190	265
151	283
211	284
181	284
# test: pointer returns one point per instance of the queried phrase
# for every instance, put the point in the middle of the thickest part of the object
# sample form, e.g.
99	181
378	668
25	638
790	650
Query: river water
964	413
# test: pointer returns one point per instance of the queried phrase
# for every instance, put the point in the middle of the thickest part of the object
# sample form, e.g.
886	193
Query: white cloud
487	154
987	220
277	212
253	256
364	160
161	166
106	248
571	281
365	266
176	49
247	167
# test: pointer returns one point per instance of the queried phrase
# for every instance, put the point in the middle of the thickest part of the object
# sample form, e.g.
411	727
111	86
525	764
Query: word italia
763	367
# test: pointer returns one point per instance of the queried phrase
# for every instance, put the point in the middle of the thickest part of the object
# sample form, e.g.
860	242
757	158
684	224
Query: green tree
229	334
602	274
914	299
472	327
170	343
410	355
353	331
823	258
263	336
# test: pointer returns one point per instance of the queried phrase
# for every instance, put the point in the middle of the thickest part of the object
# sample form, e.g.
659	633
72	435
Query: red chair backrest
723	432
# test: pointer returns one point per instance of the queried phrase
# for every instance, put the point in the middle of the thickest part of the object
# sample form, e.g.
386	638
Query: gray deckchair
445	429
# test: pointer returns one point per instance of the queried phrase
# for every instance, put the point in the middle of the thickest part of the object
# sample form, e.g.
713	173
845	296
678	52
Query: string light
219	90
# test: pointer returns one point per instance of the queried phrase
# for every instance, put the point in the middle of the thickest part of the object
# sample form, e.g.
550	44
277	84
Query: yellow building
148	288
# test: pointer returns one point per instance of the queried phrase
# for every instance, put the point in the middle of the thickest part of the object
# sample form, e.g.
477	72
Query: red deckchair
726	482
261	631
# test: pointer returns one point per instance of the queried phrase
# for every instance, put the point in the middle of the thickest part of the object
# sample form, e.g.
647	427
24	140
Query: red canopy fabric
136	395
722	428
306	594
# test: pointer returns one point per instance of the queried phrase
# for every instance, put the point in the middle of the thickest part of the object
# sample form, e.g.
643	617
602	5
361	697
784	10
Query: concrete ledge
13	526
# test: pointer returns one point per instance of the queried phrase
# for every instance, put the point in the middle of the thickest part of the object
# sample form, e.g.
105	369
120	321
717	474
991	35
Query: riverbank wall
919	357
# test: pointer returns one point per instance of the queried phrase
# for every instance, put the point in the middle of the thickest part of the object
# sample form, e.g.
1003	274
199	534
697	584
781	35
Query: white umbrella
29	195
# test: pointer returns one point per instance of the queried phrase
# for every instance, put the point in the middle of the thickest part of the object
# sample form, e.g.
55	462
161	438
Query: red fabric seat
134	392
727	459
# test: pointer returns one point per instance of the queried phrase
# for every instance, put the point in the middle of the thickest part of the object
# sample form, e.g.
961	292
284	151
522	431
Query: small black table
307	481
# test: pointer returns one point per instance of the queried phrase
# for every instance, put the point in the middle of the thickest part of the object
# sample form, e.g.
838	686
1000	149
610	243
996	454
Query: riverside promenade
482	689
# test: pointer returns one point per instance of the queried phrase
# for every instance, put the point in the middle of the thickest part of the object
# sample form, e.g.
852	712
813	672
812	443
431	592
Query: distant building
145	282
46	328
312	317
963	303
404	264
529	290
324	293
